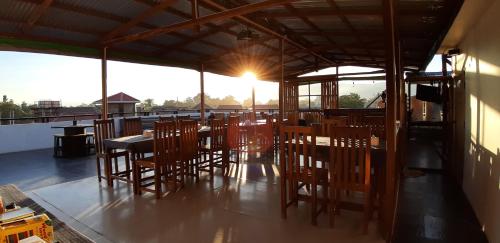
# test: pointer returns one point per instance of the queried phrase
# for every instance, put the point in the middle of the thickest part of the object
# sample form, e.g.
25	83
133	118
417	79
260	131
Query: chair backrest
327	123
248	116
350	158
376	125
216	134
132	126
164	148
103	129
233	132
178	119
354	118
219	115
297	141
292	119
188	142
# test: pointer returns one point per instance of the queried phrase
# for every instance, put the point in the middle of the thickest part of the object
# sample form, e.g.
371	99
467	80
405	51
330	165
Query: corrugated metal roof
87	22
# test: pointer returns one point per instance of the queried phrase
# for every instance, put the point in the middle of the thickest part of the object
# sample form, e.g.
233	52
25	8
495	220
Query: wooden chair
350	168
105	129
292	119
233	137
297	172
214	149
163	162
376	125
220	116
178	119
132	126
327	123
188	147
265	135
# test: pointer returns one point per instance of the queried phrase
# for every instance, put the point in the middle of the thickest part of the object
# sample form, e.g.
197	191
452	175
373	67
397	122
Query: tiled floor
38	168
431	207
245	209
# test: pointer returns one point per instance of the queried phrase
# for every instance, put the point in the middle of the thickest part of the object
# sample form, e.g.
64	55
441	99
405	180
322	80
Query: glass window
310	96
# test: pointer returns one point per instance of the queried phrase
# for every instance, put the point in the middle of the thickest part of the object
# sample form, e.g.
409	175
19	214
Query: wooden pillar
202	94
253	102
337	87
104	73
389	198
281	82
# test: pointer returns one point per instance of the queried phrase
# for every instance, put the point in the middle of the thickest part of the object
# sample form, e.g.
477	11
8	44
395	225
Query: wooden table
136	145
73	141
70	130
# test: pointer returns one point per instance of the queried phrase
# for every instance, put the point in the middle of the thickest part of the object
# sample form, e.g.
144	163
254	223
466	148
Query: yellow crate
39	225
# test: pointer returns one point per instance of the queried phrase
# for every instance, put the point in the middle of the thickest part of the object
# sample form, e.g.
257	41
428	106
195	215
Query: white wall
481	62
24	137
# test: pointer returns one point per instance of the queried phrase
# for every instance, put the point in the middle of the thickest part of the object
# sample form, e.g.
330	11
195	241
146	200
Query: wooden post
388	200
202	94
253	102
282	82
337	87
104	73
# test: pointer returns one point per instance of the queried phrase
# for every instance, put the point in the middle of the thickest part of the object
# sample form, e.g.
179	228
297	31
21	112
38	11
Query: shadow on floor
432	208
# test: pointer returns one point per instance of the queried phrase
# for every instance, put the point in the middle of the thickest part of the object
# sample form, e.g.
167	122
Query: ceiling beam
246	9
38	12
268	31
138	19
317	12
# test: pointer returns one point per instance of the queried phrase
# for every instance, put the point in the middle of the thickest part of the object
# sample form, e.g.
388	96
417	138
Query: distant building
120	103
80	113
46	108
230	107
267	107
198	107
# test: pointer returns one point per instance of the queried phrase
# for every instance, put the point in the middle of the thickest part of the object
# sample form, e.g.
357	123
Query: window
310	96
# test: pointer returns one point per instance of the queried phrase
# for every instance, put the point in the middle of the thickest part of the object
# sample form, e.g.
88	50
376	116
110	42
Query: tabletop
74	126
138	143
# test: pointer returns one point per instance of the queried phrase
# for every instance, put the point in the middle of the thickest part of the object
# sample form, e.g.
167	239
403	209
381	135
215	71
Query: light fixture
246	35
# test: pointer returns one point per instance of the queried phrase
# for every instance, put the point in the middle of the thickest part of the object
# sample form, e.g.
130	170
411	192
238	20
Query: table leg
107	169
134	172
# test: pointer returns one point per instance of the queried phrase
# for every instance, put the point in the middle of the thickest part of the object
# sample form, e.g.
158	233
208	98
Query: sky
31	77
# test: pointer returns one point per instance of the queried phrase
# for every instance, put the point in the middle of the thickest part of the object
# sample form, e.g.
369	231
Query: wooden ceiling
184	33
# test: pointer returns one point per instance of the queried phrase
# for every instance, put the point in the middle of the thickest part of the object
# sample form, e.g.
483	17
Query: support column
202	94
388	199
253	102
281	82
104	73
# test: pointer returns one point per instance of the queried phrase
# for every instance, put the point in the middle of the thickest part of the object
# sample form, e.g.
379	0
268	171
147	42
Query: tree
229	100
351	100
247	103
4	98
272	102
148	104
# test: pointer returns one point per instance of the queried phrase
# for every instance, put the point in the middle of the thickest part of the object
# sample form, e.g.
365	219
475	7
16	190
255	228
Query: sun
249	76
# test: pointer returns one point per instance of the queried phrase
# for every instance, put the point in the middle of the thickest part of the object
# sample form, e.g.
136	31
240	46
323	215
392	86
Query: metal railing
76	117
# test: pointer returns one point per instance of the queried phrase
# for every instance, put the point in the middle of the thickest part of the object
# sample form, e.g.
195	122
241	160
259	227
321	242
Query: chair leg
116	165
283	196
157	182
211	165
127	166
331	205
314	203
98	163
